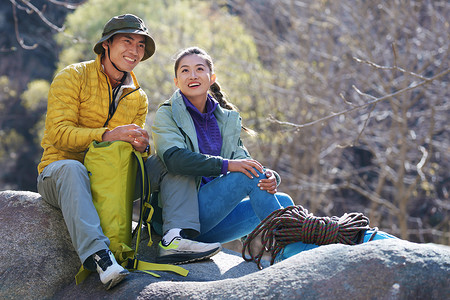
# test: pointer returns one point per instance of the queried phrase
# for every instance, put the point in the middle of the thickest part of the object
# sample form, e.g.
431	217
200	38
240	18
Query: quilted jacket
174	129
77	109
176	142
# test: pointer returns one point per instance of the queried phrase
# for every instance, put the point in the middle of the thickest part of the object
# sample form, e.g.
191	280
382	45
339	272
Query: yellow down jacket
77	109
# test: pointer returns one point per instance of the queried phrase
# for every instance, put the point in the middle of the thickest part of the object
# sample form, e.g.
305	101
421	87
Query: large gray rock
39	262
37	257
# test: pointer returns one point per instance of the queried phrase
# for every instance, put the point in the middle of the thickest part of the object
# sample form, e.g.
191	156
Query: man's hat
127	23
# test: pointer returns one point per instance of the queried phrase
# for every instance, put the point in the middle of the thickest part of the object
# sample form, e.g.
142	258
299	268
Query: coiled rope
294	224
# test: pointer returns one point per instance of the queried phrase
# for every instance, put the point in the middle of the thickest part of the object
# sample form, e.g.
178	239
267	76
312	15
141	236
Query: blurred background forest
350	98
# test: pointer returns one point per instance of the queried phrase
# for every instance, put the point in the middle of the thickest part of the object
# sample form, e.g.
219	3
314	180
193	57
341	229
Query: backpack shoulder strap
134	263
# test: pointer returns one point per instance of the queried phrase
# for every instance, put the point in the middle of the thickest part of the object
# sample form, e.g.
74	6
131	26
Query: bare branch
66	4
21	7
41	15
395	67
422	162
365	122
30	8
375	198
16	30
361	93
376	100
394	50
345	100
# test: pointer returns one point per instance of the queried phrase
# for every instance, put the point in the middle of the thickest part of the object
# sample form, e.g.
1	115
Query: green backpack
113	168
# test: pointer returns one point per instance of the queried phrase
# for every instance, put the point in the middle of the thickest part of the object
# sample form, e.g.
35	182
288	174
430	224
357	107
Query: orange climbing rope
294	224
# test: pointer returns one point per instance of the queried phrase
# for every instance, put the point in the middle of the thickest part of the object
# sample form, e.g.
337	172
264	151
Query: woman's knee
284	199
244	179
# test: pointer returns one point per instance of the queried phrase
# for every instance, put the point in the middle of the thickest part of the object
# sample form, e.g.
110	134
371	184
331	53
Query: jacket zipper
110	115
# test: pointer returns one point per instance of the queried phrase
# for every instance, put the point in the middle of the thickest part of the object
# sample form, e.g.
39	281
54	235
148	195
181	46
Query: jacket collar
179	107
226	119
211	105
130	81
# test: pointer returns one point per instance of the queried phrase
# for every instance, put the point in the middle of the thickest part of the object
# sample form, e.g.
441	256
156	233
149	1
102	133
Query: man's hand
269	184
246	166
132	134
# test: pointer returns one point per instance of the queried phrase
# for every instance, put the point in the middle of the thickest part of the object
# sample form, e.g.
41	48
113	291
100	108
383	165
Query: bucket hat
127	23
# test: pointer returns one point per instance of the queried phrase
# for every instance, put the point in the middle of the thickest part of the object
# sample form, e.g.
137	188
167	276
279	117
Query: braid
220	97
223	102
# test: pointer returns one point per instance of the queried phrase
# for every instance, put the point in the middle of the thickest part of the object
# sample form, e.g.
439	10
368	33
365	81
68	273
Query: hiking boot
181	251
111	273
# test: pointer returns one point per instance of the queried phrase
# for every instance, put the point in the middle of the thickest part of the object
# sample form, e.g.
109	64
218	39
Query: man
101	100
95	100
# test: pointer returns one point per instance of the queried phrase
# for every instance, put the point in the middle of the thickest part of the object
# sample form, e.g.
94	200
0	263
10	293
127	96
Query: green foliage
10	148
12	141
174	25
6	93
35	97
5	88
19	145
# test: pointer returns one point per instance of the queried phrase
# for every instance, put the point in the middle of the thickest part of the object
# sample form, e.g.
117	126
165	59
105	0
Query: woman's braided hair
215	89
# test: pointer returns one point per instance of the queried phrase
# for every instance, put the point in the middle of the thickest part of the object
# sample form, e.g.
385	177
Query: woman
197	134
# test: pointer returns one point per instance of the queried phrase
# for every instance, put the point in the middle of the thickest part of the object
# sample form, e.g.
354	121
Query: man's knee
58	176
71	169
71	165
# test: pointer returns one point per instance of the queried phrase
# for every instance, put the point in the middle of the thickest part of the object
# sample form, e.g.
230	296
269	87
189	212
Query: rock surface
39	262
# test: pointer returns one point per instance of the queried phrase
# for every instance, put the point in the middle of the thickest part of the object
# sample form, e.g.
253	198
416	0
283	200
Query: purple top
208	131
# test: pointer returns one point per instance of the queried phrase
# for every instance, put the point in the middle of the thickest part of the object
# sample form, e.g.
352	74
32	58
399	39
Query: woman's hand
269	184
246	166
131	133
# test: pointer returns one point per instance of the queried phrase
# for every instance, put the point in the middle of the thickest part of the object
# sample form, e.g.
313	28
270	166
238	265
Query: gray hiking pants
65	185
178	197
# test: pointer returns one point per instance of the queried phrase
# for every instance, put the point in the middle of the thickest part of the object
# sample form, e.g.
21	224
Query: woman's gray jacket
175	139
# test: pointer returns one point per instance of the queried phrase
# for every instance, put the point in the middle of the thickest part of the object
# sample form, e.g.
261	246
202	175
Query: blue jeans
231	206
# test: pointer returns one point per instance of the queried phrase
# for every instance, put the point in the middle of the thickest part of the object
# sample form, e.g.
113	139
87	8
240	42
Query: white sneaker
111	273
181	251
